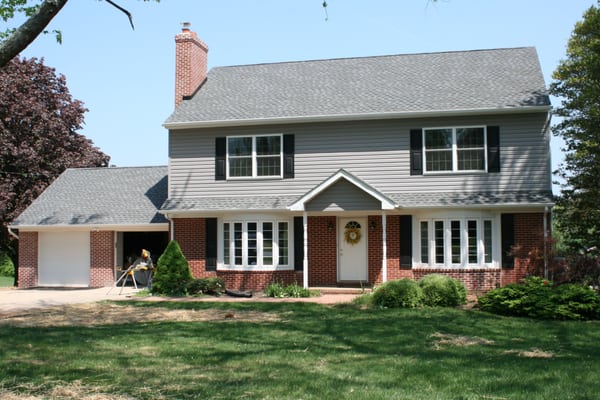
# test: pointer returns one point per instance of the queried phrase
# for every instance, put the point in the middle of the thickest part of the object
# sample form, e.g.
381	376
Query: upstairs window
254	156
455	149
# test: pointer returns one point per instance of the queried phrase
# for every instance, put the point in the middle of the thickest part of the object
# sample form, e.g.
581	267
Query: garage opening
130	245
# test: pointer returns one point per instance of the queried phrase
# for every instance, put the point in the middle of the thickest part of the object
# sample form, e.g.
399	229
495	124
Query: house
350	171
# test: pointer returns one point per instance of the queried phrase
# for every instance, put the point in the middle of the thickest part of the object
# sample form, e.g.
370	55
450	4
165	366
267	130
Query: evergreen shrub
172	273
404	293
442	291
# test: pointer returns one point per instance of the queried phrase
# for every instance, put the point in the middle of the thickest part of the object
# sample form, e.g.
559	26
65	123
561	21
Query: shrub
211	286
536	298
6	266
443	291
172	273
398	293
277	289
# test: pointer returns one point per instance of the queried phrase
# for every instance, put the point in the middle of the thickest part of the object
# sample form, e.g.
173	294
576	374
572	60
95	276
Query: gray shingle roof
100	196
246	203
451	199
399	84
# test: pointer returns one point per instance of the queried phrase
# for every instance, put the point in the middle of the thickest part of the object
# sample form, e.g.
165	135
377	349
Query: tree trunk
26	33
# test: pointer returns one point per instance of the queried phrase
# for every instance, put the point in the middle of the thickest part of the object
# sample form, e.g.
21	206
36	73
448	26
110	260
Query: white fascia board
159	227
502	206
353	117
386	203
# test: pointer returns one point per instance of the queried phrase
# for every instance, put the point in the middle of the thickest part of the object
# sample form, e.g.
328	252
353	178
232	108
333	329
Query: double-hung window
254	156
456	242
256	244
461	149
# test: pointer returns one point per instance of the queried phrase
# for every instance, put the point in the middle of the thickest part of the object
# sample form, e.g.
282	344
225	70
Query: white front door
352	247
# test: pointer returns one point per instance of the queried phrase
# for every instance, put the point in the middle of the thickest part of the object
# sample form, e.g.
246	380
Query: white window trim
463	217
255	157
259	220
455	169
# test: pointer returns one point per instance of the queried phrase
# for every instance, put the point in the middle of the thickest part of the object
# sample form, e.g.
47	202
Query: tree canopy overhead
38	136
577	84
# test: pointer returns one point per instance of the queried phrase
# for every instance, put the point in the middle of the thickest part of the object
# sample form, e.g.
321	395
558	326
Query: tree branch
26	33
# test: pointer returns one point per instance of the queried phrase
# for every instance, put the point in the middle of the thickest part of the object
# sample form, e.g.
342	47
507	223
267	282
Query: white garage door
64	259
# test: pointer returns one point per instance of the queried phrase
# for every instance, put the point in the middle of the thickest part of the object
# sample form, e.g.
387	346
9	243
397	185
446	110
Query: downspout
546	242
12	233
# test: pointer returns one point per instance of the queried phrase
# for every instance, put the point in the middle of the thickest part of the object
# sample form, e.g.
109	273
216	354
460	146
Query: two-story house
354	171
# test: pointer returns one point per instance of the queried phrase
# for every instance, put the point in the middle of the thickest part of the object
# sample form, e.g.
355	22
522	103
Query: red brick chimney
190	63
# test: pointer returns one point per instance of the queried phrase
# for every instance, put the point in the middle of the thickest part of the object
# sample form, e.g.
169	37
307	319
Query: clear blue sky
125	77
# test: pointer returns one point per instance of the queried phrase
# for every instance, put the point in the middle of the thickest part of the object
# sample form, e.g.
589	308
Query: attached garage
81	230
64	259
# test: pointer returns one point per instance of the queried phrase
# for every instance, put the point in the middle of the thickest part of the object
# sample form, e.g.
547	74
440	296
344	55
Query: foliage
577	83
277	289
537	298
443	291
398	293
7	267
172	274
38	138
211	285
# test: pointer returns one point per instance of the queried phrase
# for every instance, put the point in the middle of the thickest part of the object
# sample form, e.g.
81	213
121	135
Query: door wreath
352	233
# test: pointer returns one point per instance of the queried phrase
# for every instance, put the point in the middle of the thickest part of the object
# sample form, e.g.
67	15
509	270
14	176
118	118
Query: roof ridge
374	57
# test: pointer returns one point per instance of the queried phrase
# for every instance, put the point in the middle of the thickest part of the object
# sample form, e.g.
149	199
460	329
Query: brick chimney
190	63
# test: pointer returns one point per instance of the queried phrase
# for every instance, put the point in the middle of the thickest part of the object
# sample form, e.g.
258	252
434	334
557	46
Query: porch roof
486	199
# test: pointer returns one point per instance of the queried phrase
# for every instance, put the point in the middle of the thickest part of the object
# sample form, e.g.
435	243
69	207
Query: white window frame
464	218
259	220
255	157
455	150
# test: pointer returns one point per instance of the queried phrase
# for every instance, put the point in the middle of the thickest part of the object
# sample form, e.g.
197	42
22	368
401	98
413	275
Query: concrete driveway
12	299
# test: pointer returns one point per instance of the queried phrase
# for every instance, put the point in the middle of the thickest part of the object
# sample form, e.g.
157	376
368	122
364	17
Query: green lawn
309	352
6	281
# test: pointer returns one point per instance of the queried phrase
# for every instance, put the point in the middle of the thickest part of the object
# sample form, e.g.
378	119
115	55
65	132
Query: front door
352	247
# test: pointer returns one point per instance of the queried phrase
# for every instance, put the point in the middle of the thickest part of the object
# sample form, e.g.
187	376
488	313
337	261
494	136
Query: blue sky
125	77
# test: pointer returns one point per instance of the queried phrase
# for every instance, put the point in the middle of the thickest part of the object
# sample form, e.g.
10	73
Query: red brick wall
190	64
393	250
102	258
322	251
28	259
189	233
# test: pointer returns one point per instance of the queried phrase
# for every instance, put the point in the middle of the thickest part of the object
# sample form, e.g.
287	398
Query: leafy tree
172	274
38	14
38	138
577	83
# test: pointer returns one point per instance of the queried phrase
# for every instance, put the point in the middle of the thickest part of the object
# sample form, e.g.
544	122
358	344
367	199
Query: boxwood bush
537	298
442	291
172	273
398	293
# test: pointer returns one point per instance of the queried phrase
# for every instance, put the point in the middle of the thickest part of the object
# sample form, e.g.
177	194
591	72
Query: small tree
172	271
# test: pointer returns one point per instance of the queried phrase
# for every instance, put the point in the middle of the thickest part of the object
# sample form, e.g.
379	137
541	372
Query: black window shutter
508	240
288	156
298	244
406	241
211	243
220	158
493	148
416	152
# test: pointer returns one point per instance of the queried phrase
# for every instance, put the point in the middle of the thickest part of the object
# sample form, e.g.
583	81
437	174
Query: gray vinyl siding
343	196
374	151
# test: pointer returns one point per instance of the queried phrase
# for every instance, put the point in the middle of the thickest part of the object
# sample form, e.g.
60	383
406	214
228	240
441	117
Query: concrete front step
341	290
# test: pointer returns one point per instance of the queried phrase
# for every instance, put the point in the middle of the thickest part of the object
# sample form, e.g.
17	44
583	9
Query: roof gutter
353	117
12	233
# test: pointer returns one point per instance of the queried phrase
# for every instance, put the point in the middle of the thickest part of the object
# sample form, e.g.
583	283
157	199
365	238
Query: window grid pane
240	166
469	138
268	166
438	139
283	243
268	145
425	242
439	242
455	235
239	146
438	160
487	240
226	244
252	243
471	160
472	241
237	243
267	234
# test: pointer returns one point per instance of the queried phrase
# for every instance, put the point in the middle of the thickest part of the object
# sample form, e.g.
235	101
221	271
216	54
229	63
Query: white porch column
384	246
305	260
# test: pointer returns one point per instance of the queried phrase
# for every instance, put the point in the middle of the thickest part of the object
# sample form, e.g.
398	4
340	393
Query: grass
7	281
309	352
